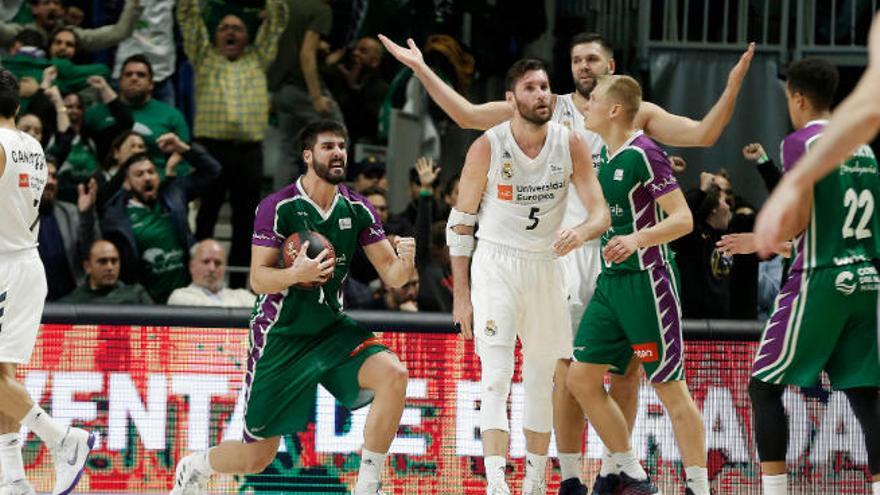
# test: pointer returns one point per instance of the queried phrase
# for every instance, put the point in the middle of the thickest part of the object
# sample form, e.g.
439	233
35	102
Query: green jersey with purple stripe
843	227
350	221
632	179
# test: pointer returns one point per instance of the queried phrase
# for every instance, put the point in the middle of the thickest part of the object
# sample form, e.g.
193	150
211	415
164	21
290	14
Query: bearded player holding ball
299	336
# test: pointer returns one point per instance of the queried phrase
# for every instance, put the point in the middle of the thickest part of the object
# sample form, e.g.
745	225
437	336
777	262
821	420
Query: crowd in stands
131	208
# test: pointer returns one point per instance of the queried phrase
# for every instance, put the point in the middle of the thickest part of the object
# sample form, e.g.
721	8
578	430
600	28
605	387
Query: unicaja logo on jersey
845	283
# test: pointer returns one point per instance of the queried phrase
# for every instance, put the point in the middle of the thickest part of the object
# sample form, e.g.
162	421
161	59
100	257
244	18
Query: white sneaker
534	487
187	479
17	487
70	459
497	489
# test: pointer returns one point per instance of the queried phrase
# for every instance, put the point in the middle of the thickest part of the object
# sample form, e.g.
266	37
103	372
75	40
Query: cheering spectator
62	43
207	267
102	285
152	118
705	269
404	298
298	95
49	14
125	145
422	179
153	37
435	271
358	86
232	111
66	232
771	174
369	173
147	219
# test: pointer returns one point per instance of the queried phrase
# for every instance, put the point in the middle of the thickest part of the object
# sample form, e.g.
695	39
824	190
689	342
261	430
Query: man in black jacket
147	219
704	269
66	232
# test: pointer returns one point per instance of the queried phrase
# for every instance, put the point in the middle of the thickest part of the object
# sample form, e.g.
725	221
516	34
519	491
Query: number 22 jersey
843	227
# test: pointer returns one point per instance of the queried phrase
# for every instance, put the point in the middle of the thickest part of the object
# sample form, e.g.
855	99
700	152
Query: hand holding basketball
310	258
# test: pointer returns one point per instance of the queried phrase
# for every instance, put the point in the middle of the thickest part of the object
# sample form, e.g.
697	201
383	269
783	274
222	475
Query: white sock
536	466
202	462
495	466
608	465
774	484
49	431
875	488
10	457
570	466
628	463
372	464
697	479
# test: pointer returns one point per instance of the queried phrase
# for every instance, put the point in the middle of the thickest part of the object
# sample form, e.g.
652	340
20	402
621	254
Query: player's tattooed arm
679	222
677	130
854	122
267	278
393	264
464	113
474	176
590	193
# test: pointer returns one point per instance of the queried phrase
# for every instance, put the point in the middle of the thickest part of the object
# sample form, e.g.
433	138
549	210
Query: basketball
317	243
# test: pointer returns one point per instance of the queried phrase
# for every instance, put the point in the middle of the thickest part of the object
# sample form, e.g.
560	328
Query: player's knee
627	383
495	388
580	384
538	388
765	395
396	378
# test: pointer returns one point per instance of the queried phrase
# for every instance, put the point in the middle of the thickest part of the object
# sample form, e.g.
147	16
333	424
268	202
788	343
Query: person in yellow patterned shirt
232	112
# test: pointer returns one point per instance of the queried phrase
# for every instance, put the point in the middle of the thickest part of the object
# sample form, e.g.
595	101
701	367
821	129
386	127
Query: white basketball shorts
581	268
22	295
521	294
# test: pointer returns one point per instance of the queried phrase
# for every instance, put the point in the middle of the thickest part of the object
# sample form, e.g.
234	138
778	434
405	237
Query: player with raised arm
299	336
855	121
23	175
825	317
636	306
515	181
592	56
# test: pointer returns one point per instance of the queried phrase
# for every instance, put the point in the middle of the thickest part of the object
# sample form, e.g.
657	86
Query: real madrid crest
507	170
491	329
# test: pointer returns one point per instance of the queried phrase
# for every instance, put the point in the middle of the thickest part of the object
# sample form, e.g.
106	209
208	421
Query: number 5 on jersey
533	216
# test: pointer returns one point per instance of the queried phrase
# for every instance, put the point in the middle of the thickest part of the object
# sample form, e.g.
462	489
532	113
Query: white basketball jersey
21	187
568	114
524	201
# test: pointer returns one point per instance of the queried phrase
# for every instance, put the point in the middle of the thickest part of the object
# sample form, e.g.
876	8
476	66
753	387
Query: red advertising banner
154	394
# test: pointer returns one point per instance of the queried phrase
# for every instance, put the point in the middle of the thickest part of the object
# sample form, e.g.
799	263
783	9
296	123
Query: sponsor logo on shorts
507	170
491	329
845	283
505	192
647	352
344	223
23	180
